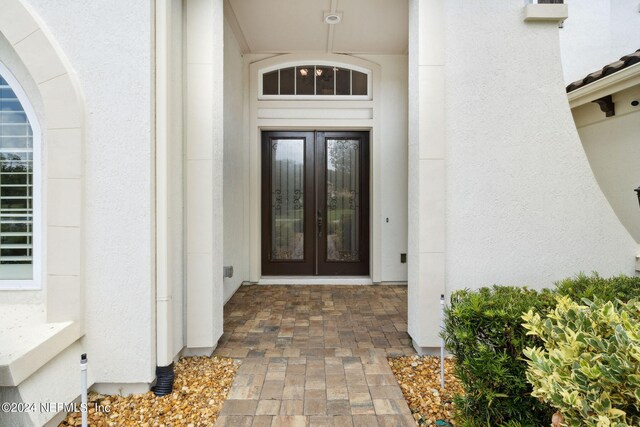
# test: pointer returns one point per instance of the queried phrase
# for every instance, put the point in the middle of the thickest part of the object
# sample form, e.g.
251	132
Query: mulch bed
419	379
200	388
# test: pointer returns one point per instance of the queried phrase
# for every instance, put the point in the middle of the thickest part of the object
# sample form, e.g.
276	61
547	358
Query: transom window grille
315	80
16	188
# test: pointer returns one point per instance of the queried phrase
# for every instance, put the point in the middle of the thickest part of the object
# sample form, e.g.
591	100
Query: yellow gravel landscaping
200	388
419	379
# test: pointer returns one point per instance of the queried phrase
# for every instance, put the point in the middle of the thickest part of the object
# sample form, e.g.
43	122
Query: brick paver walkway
315	356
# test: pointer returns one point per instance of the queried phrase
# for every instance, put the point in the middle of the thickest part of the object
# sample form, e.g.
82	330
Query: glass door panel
315	203
342	165
287	199
288	225
343	199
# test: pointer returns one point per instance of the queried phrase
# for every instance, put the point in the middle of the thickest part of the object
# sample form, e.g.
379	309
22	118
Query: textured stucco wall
427	156
108	44
523	207
53	384
393	164
236	234
204	152
613	151
597	33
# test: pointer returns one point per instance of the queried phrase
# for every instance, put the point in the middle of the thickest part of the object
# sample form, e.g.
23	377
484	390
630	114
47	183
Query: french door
315	203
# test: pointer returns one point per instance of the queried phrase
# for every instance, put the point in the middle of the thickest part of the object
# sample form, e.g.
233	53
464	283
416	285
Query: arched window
324	80
19	187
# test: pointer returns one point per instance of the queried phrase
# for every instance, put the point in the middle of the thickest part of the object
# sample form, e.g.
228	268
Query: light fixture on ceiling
303	72
332	18
319	72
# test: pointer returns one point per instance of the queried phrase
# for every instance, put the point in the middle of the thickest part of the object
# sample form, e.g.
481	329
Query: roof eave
604	86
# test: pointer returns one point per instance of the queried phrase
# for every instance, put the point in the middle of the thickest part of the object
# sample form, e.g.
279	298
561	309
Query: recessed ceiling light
332	18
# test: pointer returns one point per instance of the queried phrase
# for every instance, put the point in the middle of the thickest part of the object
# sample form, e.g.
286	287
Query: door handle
319	223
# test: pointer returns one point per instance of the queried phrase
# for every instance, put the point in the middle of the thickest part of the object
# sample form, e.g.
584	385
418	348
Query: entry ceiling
295	26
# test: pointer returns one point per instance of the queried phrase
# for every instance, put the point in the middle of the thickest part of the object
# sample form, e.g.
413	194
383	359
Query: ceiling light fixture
332	18
303	72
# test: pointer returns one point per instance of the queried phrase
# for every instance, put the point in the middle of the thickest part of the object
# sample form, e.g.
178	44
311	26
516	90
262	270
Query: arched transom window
19	177
308	81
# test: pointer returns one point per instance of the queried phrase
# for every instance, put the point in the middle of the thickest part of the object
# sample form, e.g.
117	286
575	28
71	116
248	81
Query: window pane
300	80
270	83
14	129
343	195
304	80
343	82
287	81
12	117
358	83
16	188
287	199
324	81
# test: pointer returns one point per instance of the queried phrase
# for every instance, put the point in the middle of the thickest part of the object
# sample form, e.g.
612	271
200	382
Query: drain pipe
164	327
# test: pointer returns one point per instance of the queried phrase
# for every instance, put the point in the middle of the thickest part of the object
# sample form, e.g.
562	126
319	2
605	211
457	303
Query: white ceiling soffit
295	26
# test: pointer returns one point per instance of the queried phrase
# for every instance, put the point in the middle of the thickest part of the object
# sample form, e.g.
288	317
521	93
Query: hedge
483	331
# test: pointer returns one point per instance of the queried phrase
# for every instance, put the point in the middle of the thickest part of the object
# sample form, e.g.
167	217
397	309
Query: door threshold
315	280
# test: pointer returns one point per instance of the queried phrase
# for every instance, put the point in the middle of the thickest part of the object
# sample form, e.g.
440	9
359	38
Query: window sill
28	342
546	12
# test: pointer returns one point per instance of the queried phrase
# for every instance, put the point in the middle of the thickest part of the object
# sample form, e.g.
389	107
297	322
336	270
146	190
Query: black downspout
164	380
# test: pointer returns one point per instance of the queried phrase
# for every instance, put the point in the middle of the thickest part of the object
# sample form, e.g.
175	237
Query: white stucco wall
204	149
53	383
597	33
110	53
236	232
426	164
393	165
613	150
523	207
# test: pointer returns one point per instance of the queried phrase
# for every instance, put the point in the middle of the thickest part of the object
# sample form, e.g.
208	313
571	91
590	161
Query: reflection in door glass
343	200
287	197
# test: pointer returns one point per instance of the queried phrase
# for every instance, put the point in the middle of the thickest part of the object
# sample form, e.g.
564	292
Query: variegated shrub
589	368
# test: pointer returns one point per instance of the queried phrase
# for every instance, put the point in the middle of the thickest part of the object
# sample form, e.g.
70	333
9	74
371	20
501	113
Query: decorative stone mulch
200	388
419	379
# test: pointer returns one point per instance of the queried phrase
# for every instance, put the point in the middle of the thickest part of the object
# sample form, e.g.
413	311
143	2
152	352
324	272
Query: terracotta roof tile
614	67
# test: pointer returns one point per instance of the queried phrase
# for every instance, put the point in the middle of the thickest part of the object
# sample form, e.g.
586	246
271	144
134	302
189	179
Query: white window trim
321	63
36	282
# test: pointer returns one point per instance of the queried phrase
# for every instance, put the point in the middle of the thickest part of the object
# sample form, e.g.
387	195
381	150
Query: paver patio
315	356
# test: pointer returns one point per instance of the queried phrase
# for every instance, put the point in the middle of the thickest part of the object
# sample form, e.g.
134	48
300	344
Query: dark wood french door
315	203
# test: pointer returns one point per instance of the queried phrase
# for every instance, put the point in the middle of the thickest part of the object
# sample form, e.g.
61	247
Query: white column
204	130
426	256
169	182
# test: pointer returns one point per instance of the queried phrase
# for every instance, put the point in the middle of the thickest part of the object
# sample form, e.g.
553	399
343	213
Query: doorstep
315	280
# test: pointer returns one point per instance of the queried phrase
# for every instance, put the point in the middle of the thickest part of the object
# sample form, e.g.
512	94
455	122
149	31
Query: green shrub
582	286
589	367
483	331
